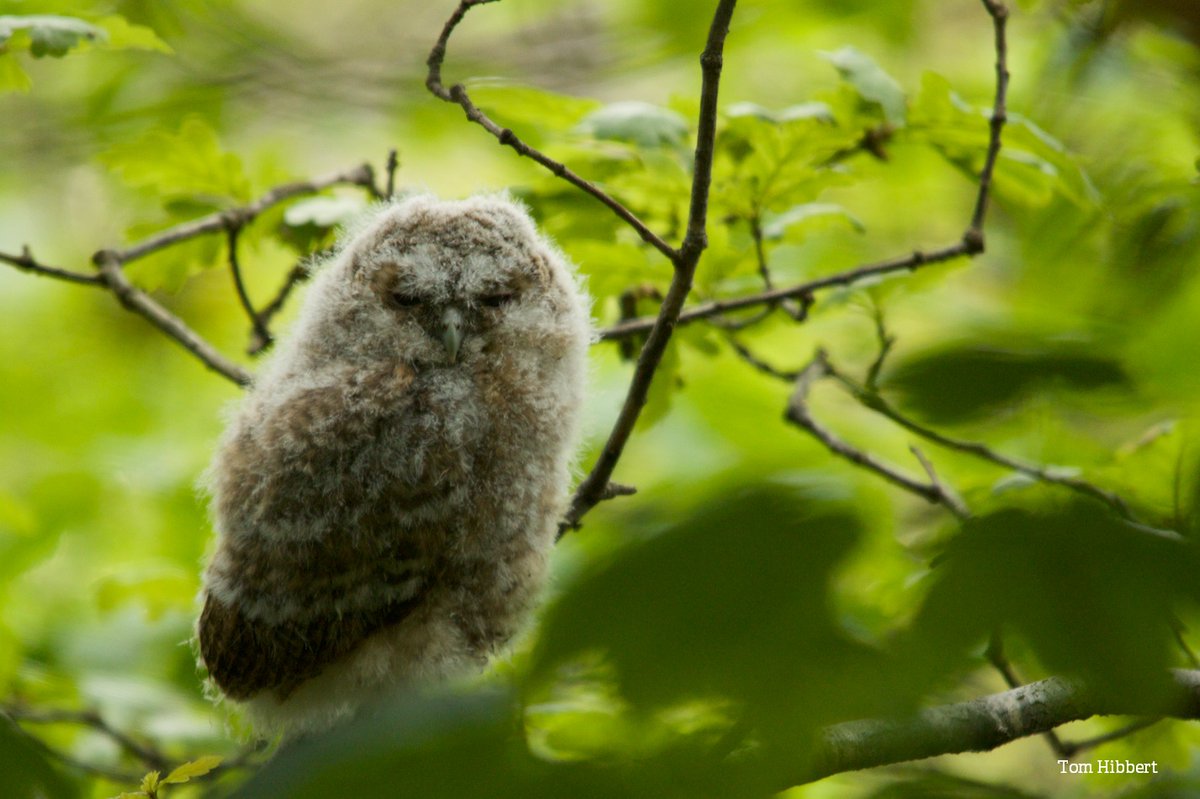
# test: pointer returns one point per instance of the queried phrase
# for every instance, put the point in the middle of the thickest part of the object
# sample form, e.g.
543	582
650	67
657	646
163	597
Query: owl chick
388	492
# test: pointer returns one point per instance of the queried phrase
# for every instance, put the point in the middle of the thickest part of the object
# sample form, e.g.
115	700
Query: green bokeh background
1089	287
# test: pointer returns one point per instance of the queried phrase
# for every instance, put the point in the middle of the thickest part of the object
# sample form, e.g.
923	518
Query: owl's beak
451	330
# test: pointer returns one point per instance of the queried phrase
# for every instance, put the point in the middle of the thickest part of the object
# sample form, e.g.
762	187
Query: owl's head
447	284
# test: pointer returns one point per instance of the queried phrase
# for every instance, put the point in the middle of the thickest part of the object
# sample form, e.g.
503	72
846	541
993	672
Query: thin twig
995	655
877	403
886	342
147	755
959	507
999	14
458	94
910	263
258	329
298	274
1073	749
591	489
361	175
758	363
798	313
393	163
139	302
25	261
798	413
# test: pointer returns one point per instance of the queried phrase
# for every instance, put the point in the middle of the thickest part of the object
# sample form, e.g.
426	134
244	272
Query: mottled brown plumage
387	493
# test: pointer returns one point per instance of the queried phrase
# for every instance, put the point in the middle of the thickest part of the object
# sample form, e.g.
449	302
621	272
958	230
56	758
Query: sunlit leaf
48	34
634	121
196	768
871	82
124	35
807	216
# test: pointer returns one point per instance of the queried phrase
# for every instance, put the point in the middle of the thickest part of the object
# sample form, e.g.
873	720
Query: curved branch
140	303
26	262
361	175
457	94
594	487
801	291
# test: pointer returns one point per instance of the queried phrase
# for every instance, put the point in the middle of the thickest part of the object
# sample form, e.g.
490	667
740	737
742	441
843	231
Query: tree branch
361	175
910	263
145	754
258	329
26	262
982	724
458	94
592	488
877	403
140	303
798	413
999	15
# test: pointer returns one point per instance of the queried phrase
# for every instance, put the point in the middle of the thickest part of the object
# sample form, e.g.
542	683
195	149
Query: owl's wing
312	559
246	655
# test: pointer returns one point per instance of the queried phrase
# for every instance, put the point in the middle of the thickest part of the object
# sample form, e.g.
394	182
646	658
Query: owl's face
452	284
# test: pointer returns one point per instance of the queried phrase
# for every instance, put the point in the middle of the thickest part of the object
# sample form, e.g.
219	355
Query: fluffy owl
387	494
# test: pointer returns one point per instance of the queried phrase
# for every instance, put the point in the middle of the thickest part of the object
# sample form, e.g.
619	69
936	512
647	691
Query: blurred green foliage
756	588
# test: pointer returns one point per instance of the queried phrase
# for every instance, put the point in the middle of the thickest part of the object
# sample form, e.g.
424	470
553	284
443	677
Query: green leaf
532	112
1033	165
973	379
12	77
807	216
814	110
185	166
196	768
1091	595
47	34
158	589
634	121
151	781
124	35
24	768
871	82
729	603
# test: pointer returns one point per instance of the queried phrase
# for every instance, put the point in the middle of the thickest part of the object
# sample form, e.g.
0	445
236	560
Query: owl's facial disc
450	329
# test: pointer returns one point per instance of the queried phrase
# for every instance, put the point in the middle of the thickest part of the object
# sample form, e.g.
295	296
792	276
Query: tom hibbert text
1108	767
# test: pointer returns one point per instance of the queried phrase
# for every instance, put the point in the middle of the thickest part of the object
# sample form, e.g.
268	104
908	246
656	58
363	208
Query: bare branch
886	342
982	724
999	13
458	94
799	414
591	489
26	262
951	497
298	274
910	263
1000	662
881	406
258	329
139	302
393	163
1073	749
361	175
146	754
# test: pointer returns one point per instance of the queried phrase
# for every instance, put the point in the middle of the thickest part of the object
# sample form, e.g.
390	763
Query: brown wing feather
246	656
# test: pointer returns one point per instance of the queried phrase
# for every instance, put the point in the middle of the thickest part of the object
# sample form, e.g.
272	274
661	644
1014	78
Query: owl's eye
405	300
496	300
